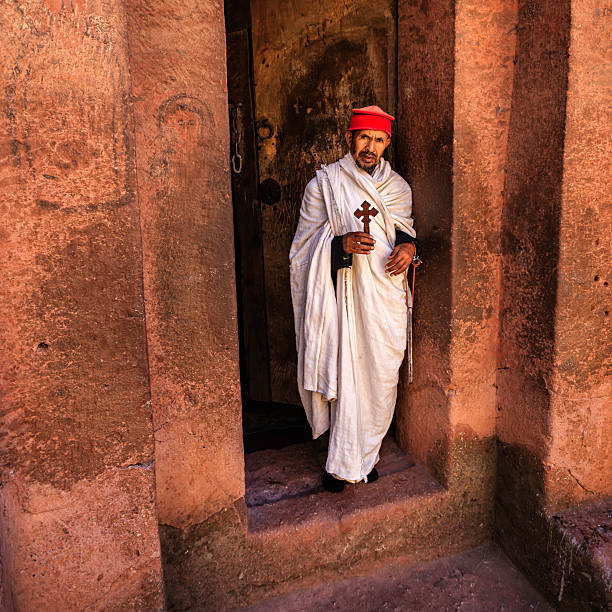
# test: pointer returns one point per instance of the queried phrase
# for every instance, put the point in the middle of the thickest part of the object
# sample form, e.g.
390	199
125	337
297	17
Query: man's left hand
400	258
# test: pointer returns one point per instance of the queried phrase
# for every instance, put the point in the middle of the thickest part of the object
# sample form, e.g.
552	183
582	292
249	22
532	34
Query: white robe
350	342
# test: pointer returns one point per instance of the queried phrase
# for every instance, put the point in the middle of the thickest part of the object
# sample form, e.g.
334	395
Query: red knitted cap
371	118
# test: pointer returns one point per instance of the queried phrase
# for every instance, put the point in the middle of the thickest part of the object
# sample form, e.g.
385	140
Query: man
349	298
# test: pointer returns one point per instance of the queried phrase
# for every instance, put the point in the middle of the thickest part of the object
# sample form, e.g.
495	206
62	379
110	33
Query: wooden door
312	61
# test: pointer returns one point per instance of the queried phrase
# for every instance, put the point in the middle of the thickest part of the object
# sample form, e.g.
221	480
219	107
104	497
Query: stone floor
479	580
274	475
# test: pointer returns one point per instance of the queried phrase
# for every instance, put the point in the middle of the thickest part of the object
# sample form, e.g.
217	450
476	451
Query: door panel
254	361
312	62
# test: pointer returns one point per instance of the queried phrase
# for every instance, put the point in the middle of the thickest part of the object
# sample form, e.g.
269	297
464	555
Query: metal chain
237	137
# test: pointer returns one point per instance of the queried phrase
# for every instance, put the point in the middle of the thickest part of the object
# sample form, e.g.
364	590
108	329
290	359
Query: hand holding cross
360	243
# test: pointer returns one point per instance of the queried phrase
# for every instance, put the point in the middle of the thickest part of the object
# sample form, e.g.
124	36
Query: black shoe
373	476
331	484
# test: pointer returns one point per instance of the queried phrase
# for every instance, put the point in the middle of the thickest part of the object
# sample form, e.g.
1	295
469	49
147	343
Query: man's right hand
358	243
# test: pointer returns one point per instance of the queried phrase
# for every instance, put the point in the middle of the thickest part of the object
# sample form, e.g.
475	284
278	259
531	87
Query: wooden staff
416	261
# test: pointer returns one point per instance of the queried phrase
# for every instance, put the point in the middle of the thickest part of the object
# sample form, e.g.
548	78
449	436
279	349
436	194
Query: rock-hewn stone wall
581	402
455	84
554	398
177	52
78	527
426	39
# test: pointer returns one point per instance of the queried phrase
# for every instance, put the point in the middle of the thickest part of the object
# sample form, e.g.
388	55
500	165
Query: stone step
309	533
284	491
273	476
290	534
572	564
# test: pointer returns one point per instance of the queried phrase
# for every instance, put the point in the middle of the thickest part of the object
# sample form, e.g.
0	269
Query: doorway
295	70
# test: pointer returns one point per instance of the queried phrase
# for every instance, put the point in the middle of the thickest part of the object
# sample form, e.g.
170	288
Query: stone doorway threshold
290	534
479	579
283	487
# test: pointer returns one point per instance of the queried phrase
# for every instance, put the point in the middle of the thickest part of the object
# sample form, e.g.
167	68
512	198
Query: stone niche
441	500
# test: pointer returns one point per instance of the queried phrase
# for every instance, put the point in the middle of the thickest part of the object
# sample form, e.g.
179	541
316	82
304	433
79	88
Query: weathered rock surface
480	579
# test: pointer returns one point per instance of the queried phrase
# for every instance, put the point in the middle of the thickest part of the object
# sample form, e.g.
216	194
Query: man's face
367	147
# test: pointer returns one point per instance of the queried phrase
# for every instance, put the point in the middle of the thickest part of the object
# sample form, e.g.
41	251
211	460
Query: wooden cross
366	212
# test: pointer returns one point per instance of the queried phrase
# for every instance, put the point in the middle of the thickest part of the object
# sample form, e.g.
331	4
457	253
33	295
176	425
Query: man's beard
369	168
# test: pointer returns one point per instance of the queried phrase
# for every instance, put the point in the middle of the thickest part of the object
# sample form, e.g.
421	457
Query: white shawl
350	343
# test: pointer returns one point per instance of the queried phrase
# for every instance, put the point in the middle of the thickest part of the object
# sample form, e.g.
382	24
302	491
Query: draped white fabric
350	342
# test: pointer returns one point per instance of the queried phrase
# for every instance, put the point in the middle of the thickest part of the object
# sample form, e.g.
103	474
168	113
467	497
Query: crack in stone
139	466
580	484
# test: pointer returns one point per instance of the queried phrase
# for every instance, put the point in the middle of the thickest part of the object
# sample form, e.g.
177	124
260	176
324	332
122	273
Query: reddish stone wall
79	525
177	52
553	399
581	398
484	68
455	83
529	258
530	226
425	158
530	248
